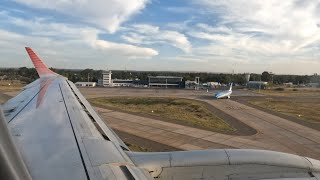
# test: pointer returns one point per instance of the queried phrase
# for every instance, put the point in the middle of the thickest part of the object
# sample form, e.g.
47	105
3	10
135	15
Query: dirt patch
148	145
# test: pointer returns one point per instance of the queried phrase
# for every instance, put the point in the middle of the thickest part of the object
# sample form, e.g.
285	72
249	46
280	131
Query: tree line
28	75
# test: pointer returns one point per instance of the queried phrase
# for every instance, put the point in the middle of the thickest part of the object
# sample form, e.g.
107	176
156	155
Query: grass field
291	92
187	111
304	109
7	86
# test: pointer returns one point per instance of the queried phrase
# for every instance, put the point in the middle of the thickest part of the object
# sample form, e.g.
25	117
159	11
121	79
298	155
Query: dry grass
306	110
137	148
291	92
6	90
187	111
7	86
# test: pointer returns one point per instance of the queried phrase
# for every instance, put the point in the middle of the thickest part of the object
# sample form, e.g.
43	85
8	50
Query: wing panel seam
103	134
25	105
74	134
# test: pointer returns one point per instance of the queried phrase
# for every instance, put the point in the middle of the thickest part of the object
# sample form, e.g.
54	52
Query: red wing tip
41	68
28	49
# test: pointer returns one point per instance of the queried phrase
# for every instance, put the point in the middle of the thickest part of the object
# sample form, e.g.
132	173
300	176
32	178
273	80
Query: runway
274	133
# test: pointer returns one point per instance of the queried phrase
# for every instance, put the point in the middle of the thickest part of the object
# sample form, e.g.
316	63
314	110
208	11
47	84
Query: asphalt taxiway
273	132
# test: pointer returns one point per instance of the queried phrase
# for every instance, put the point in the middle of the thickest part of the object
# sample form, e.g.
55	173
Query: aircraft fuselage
223	94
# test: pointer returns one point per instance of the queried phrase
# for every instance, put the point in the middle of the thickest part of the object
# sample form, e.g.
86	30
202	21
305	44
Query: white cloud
219	29
215	34
236	43
291	20
135	38
131	51
148	34
49	37
190	58
146	29
69	53
106	14
260	31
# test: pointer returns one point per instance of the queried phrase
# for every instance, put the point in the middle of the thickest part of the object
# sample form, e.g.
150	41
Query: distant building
165	81
257	84
85	84
247	77
313	85
100	82
106	79
190	84
197	80
213	84
288	84
194	84
122	83
140	83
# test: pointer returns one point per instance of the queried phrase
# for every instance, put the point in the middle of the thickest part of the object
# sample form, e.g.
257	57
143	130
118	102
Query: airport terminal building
85	84
122	83
153	81
165	81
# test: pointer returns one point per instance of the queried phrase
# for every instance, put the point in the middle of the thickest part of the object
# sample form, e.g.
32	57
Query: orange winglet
41	68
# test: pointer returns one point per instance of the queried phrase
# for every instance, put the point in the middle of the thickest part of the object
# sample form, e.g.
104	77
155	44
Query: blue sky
177	35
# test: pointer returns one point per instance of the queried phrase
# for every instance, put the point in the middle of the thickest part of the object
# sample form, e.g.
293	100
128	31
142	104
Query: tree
266	76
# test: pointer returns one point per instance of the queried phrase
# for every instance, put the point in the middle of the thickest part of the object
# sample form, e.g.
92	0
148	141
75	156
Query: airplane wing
59	136
50	131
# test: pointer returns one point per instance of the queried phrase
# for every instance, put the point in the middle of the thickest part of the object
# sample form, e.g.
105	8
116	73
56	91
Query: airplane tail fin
230	87
41	68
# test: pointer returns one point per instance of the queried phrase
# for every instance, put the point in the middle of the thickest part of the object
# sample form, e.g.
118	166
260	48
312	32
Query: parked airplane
224	94
50	131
